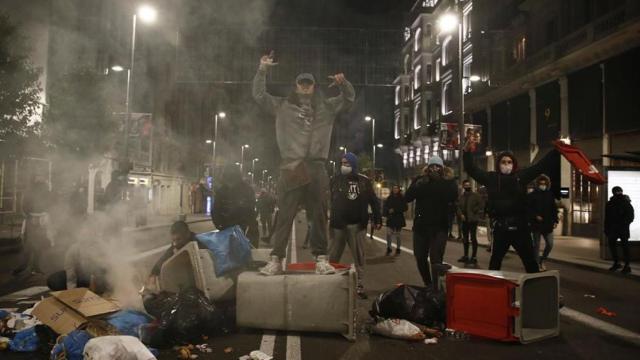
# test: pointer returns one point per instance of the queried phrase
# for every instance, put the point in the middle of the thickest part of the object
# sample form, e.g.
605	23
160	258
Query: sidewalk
572	250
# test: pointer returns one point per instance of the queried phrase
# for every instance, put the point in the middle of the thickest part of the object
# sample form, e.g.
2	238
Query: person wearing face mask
352	195
543	217
304	123
507	204
618	216
470	212
432	194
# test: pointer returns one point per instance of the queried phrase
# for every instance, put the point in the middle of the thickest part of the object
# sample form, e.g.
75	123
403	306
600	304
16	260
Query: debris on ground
204	348
228	350
431	341
421	305
604	311
116	347
398	329
591	296
256	355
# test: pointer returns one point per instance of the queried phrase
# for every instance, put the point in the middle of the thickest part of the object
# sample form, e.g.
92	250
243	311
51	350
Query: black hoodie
507	193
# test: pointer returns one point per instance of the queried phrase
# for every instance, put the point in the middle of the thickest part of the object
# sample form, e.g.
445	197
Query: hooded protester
394	208
234	204
507	204
351	196
618	216
433	194
304	123
543	217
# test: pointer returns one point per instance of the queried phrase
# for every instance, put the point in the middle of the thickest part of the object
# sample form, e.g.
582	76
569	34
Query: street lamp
343	148
246	146
220	115
147	15
253	168
448	23
373	142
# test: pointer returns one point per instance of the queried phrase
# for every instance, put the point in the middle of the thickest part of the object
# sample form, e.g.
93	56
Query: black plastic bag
421	305
157	304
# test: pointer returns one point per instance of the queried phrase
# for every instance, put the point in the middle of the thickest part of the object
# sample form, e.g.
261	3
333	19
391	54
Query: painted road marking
268	342
294	350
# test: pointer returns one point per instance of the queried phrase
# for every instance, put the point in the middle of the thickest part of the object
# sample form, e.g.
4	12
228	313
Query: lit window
416	77
396	126
466	75
438	69
417	40
416	115
428	74
445	50
466	23
447	97
407	63
418	156
407	34
398	95
520	50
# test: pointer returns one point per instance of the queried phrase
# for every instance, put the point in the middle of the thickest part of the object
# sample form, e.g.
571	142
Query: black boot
473	261
388	252
614	267
397	251
464	259
626	269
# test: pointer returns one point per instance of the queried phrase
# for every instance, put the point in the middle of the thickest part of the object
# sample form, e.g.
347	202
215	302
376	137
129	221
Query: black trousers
428	248
521	241
267	225
624	241
470	233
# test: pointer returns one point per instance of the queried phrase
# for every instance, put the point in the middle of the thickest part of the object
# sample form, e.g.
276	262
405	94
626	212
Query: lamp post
253	169
263	173
220	115
147	15
448	23
373	142
246	146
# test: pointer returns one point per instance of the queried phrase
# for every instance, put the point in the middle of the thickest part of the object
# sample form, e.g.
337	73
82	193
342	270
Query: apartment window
428	29
466	74
466	23
407	63
520	50
446	51
405	123
428	74
438	61
428	108
396	126
407	34
417	77
447	97
416	115
417	40
586	197
551	31
398	95
418	155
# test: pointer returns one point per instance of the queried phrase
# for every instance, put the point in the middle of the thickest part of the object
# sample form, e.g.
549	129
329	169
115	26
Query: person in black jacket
266	205
433	194
394	208
618	215
181	235
507	204
351	196
234	204
543	217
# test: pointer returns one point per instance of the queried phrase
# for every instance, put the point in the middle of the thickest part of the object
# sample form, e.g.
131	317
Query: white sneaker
323	267
273	267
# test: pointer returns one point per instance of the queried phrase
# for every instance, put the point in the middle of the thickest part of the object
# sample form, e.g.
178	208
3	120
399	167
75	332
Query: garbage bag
421	305
398	329
190	316
116	347
25	341
71	346
128	321
157	304
230	247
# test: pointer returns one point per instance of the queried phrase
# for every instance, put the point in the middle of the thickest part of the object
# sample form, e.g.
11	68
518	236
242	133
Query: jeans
470	232
391	234
548	240
428	248
353	236
314	197
624	241
520	239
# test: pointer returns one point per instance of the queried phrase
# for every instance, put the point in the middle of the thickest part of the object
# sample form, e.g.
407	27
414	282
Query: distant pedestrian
433	195
543	217
394	208
618	216
266	205
352	195
508	204
470	213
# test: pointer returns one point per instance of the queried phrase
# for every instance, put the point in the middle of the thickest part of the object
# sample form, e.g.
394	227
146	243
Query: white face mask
345	170
506	168
542	187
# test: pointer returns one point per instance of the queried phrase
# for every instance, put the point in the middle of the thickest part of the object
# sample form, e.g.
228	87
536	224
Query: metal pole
242	160
373	147
253	170
461	93
215	138
129	91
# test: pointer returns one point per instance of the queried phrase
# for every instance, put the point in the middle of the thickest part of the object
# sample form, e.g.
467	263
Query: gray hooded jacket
299	136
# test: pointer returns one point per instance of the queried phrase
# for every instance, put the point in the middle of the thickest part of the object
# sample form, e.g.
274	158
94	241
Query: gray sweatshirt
302	133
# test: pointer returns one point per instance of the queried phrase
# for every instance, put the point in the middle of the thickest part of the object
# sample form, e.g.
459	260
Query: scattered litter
259	355
25	341
431	341
421	305
4	343
603	311
25	294
27	302
457	335
228	350
591	296
116	347
71	346
398	329
8	310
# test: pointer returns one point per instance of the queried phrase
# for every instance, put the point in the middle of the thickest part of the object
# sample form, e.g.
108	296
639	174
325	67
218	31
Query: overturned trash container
504	306
298	302
194	267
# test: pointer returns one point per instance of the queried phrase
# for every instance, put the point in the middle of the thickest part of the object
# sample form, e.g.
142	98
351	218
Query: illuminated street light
222	115
209	141
380	146
474	78
117	68
448	22
147	14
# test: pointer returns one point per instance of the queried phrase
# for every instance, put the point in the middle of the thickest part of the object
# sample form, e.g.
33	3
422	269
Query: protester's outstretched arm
260	94
529	174
347	93
475	172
